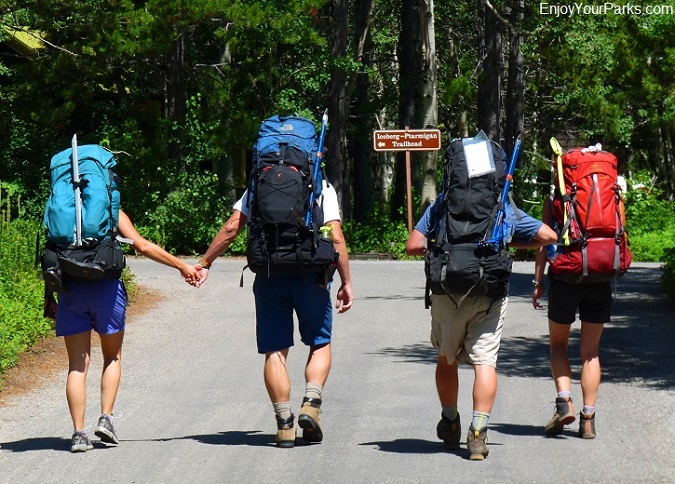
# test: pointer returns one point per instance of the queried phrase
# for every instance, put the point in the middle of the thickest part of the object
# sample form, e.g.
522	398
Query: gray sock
480	420
282	410
450	411
313	390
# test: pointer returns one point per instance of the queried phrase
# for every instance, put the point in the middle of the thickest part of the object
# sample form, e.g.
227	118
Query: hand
536	294
345	298
190	274
202	274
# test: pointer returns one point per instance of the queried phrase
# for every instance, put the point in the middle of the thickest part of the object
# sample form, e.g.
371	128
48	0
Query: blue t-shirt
518	228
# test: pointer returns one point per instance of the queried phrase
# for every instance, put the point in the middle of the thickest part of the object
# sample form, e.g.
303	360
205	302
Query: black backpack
285	218
459	260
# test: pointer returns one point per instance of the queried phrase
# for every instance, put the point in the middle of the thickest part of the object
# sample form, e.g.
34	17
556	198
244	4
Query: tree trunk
362	147
515	97
408	80
429	105
176	99
489	71
336	159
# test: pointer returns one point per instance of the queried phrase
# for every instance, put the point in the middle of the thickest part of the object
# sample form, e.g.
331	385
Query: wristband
537	283
204	264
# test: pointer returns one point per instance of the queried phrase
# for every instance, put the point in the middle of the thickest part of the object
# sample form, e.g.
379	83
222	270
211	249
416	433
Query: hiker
578	279
281	287
100	305
466	326
276	297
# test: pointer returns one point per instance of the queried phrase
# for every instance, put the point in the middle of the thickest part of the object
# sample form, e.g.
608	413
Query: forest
178	90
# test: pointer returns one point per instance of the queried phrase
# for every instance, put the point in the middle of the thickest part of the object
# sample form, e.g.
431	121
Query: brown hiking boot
586	425
476	442
309	421
449	431
285	432
564	415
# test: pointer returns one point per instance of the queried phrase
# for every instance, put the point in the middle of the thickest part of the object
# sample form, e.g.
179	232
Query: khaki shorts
470	333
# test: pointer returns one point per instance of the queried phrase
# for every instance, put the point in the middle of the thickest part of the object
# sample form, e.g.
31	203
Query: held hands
190	274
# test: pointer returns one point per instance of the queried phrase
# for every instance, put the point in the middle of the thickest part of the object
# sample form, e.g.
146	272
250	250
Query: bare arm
153	251
417	243
540	260
345	296
220	243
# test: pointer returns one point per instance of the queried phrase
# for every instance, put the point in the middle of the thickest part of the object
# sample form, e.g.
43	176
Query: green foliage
649	219
668	278
21	290
378	236
651	246
186	221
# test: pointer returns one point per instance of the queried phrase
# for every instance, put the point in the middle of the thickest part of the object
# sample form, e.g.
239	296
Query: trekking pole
557	151
318	161
497	236
78	194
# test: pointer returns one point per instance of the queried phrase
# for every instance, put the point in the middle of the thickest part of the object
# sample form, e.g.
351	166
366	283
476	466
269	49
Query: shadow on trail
637	346
412	446
36	443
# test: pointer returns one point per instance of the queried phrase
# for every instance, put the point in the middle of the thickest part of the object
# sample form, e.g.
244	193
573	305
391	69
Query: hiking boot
80	442
105	430
564	415
449	431
586	425
285	432
476	442
309	420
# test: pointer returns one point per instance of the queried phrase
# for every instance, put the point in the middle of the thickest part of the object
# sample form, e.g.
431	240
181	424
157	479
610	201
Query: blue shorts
276	297
593	300
98	305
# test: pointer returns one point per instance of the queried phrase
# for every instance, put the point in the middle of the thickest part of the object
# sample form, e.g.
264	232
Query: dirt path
48	356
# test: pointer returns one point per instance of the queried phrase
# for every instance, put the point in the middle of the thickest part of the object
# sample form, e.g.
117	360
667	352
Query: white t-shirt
327	200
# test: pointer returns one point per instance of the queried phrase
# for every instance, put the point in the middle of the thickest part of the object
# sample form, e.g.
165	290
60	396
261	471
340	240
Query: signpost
407	140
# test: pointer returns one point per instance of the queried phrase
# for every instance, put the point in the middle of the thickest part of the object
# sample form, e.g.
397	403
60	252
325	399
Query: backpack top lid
292	131
93	152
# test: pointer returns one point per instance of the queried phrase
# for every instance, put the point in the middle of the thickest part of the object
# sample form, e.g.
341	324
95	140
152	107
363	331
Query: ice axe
557	151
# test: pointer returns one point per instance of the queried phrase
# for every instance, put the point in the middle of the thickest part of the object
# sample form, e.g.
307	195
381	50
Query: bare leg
447	381
318	364
590	361
484	388
277	381
560	364
111	347
78	347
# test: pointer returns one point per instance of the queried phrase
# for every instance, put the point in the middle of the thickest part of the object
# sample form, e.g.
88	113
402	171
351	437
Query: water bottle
326	232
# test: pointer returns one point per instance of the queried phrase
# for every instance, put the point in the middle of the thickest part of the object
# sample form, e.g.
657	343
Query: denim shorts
98	305
278	297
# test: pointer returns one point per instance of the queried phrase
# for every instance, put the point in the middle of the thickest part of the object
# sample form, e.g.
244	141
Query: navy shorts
594	302
98	305
277	297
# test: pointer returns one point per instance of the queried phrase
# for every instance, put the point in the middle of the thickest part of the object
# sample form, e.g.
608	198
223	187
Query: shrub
21	290
668	277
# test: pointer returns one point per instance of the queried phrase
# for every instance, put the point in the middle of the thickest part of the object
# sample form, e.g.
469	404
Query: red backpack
593	245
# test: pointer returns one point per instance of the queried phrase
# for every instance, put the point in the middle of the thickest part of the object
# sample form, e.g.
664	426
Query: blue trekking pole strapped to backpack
498	229
318	160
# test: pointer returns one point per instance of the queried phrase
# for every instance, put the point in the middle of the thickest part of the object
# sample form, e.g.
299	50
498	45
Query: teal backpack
81	217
